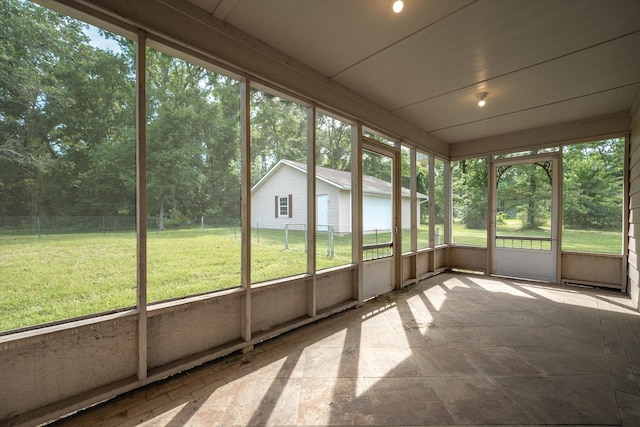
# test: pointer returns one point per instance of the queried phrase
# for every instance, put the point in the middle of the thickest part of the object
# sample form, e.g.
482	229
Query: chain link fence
46	225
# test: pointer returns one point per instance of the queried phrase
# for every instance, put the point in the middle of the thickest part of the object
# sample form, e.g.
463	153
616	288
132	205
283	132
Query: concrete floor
452	350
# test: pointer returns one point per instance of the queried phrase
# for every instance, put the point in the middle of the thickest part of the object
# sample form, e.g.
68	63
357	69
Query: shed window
283	206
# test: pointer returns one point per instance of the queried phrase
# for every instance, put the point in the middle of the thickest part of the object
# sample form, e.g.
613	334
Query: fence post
202	223
38	226
286	236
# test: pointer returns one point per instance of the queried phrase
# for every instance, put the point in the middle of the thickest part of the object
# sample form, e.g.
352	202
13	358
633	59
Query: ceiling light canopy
482	98
398	5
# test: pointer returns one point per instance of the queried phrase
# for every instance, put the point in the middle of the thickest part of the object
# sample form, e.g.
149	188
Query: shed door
322	212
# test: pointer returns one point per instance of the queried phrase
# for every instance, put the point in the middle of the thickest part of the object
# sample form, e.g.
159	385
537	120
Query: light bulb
398	5
481	98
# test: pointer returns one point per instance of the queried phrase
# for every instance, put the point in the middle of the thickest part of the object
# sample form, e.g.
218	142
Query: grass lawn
572	240
56	277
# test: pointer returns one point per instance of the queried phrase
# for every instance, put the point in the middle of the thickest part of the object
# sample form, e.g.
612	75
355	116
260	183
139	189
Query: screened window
333	197
67	168
470	201
593	179
422	181
439	201
278	158
405	163
193	177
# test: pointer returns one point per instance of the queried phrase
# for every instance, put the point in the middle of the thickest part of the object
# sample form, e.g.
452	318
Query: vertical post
286	236
397	217
141	202
311	227
491	218
245	209
432	213
356	210
556	205
448	204
625	213
415	207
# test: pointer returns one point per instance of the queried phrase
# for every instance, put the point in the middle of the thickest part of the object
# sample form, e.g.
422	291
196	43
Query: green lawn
56	277
572	240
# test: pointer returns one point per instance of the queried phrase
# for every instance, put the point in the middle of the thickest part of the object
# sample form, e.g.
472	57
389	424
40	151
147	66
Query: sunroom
133	133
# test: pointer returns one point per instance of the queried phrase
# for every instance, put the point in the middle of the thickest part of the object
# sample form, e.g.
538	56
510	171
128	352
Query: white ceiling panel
481	42
567	111
543	62
332	35
569	77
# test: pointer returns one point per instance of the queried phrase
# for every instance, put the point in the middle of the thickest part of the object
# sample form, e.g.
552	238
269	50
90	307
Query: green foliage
593	176
333	143
470	182
278	131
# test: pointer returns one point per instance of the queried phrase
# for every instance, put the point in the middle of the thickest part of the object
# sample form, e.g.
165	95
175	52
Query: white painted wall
284	181
344	209
333	193
377	213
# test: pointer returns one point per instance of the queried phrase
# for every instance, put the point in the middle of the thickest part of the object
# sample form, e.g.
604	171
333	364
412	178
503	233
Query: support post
356	210
310	230
245	208
141	202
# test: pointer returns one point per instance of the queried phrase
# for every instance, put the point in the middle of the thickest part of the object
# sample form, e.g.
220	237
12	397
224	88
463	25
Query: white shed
280	198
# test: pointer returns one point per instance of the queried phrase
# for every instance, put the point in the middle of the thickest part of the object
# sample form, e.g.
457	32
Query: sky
99	41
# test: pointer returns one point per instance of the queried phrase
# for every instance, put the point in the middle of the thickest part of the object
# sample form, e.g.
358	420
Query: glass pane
438	185
422	178
524	206
526	153
193	178
592	197
378	137
405	159
67	168
377	205
279	187
333	192
470	203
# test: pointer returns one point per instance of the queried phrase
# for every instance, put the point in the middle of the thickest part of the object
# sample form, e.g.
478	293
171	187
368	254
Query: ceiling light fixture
481	98
398	5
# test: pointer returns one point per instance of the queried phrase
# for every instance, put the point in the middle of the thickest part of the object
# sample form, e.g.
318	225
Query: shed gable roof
339	179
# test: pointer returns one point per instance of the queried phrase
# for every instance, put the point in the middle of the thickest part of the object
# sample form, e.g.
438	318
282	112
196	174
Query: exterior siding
633	288
283	182
288	180
334	202
344	207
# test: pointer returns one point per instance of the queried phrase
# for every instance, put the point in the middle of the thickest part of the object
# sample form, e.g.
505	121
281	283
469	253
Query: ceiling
542	62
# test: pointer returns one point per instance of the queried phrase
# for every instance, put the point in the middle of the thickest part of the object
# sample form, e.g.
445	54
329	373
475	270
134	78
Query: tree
470	185
278	131
593	177
60	99
333	143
